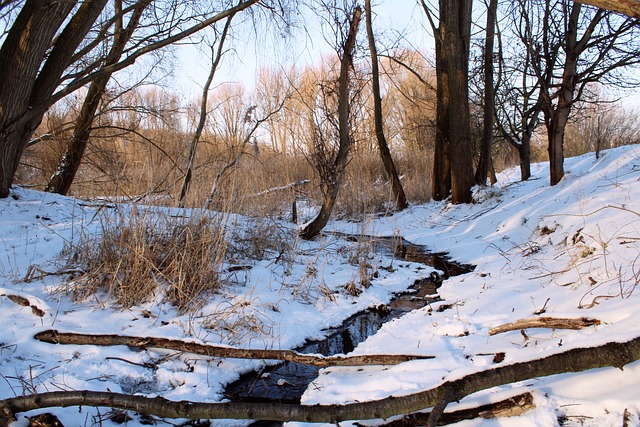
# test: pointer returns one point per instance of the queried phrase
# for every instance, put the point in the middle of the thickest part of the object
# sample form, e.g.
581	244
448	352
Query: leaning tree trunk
203	113
60	182
488	112
20	57
455	16
334	180
385	154
25	82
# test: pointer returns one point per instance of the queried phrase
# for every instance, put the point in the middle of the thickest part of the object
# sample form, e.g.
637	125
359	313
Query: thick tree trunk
441	179
24	85
456	18
484	161
385	154
21	55
60	182
314	228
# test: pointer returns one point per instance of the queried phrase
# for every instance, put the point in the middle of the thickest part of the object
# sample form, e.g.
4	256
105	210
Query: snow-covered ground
568	251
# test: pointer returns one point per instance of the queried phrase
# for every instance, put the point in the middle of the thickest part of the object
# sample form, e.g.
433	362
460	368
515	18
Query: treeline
531	82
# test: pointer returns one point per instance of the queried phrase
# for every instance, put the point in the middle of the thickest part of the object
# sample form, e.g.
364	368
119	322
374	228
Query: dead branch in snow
545	322
614	354
57	337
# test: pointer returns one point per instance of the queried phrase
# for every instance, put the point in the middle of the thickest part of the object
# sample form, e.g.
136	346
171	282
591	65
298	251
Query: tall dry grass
140	256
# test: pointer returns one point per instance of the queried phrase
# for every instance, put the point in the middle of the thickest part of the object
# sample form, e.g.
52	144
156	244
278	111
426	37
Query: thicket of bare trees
550	57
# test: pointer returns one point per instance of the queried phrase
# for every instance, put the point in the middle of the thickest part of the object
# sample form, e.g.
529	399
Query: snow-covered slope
568	251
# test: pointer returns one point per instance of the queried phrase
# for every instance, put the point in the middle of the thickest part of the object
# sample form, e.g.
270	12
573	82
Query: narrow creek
286	382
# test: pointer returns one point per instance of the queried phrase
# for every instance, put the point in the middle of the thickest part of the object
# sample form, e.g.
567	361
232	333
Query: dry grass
140	256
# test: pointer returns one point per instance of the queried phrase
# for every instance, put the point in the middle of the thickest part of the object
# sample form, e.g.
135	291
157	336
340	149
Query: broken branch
545	322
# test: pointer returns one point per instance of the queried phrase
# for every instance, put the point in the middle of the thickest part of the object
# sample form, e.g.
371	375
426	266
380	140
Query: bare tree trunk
455	16
441	174
488	113
60	182
385	154
203	112
314	228
24	84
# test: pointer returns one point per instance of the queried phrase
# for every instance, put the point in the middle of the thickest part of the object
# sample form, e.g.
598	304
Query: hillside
569	251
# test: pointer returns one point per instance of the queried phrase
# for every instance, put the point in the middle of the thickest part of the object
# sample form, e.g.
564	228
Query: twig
274	189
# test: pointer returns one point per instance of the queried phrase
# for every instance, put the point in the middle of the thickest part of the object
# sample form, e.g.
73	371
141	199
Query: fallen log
545	322
57	337
511	407
613	354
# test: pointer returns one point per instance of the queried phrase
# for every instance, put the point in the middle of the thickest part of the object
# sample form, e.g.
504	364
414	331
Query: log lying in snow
545	322
511	407
613	354
56	337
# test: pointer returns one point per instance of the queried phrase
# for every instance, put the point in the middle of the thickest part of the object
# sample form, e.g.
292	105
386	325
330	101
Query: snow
571	250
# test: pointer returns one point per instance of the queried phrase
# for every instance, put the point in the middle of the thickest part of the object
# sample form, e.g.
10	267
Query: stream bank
286	382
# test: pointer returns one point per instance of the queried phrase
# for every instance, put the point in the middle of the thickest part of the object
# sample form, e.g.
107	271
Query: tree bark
575	360
314	228
441	175
60	182
385	154
482	171
456	18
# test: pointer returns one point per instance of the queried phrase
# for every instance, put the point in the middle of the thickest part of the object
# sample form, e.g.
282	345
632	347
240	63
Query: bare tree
334	168
44	42
578	46
385	154
216	56
62	179
453	162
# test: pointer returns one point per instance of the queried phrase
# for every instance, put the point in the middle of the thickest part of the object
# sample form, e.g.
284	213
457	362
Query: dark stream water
286	382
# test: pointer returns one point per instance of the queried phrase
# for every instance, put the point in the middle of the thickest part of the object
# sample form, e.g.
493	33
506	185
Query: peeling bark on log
545	322
56	337
612	354
511	407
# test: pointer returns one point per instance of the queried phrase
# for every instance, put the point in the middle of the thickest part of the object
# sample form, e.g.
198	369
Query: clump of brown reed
140	256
